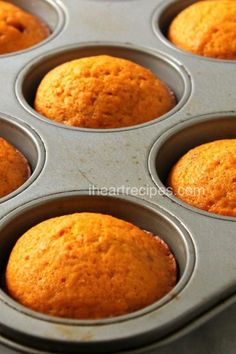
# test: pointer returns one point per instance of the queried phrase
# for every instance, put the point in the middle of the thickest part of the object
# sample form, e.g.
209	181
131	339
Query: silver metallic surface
69	162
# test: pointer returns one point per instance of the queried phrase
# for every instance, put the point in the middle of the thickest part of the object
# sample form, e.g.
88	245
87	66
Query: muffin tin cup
50	12
27	141
167	69
165	12
178	140
114	333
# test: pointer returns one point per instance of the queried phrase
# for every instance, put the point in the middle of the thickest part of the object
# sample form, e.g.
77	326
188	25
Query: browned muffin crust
19	29
89	266
102	92
14	168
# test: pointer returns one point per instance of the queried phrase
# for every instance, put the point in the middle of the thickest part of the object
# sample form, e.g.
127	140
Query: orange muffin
19	29
206	28
89	266
102	92
205	177
14	168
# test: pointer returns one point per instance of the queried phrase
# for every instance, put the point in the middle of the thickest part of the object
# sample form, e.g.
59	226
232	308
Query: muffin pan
121	172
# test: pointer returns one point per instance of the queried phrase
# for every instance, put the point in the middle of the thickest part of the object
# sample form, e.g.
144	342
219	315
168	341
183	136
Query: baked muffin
206	28
102	92
14	168
205	177
19	29
89	266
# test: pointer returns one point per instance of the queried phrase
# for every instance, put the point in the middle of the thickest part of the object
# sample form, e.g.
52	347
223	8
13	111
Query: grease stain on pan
67	334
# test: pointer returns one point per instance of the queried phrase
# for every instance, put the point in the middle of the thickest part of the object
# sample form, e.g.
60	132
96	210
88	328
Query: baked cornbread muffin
206	28
102	92
205	177
89	266
14	168
19	29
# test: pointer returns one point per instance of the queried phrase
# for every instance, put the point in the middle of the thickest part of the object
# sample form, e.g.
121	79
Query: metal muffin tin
71	168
